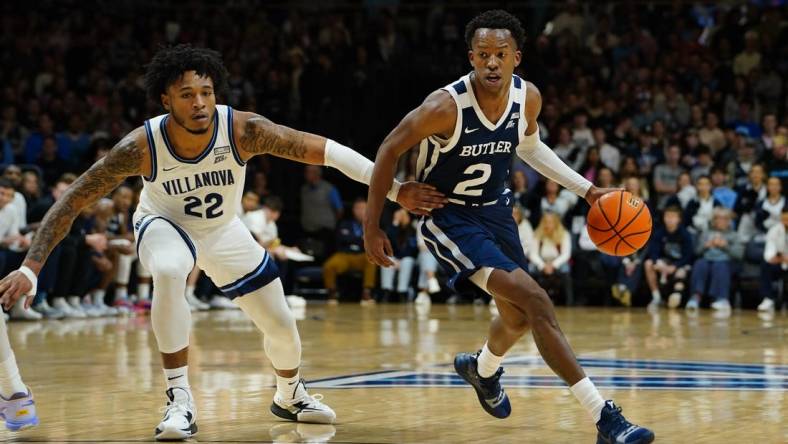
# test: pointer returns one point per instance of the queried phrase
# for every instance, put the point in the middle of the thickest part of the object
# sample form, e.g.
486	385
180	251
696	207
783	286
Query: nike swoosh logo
169	169
498	400
468	130
174	377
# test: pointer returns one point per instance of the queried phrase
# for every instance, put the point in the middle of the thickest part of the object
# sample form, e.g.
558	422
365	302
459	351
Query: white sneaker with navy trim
180	416
302	407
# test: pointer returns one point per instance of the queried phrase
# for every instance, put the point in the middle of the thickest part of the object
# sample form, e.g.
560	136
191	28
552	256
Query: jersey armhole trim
152	149
457	125
231	136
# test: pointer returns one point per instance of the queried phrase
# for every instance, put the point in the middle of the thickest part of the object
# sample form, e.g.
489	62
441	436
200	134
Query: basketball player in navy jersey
467	133
192	160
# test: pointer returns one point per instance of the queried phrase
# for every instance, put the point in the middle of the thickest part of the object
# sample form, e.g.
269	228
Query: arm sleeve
539	156
354	165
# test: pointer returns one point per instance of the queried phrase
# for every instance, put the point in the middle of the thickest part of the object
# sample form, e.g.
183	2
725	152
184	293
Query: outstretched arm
437	115
258	135
544	160
128	158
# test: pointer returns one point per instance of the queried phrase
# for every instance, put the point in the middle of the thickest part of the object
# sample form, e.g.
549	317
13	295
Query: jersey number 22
213	202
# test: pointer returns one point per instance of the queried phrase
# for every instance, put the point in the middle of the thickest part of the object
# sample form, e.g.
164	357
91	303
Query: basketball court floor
387	372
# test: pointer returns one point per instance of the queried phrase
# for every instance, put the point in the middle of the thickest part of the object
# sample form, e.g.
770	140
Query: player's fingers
420	212
9	297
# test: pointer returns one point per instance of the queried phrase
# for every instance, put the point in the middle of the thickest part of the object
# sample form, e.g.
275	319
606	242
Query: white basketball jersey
199	193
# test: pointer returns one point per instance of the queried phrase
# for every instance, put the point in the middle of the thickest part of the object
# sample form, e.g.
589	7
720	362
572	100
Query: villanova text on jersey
472	166
187	184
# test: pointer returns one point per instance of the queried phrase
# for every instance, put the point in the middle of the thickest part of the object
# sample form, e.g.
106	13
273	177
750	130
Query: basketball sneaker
766	305
489	391
613	428
302	407
19	412
179	416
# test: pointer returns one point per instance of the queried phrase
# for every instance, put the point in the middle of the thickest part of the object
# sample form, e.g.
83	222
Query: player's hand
13	287
377	246
594	193
420	198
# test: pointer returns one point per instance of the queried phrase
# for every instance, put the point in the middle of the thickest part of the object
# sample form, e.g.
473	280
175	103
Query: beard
182	124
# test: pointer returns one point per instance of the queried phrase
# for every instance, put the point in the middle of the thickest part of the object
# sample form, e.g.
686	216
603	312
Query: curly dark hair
496	19
169	64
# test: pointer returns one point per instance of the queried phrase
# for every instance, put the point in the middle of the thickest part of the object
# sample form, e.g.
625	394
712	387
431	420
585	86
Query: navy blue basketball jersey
472	166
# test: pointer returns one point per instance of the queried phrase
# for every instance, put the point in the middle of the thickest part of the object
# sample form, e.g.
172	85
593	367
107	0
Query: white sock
289	388
98	297
655	296
585	391
189	291
177	377
143	291
120	293
10	380
487	363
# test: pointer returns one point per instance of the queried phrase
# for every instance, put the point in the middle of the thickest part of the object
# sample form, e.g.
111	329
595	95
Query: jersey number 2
464	186
193	203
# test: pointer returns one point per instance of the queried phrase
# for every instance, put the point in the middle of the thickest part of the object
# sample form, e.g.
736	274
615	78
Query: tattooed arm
254	134
257	135
129	157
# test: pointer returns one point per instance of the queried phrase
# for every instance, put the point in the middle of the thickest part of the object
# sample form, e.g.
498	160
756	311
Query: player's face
774	186
250	202
191	102
494	55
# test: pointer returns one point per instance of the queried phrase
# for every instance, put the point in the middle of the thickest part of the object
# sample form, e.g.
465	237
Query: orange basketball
619	223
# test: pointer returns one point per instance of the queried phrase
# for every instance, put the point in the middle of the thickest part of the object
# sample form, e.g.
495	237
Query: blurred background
682	103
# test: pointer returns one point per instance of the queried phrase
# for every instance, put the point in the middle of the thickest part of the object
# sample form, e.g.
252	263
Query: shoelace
620	423
491	383
311	400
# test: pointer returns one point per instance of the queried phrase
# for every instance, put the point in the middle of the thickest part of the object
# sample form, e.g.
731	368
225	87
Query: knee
170	271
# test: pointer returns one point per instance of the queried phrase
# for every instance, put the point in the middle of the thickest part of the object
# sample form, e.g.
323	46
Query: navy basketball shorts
465	239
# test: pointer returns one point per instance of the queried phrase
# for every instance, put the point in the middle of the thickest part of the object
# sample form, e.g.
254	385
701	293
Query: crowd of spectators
691	117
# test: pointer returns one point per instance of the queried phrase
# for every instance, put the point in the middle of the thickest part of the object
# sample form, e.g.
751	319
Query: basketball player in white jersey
192	162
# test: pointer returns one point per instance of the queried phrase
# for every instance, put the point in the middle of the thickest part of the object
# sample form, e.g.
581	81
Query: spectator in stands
750	194
592	164
697	214
668	259
711	135
718	248
549	256
13	244
350	256
721	189
769	130
14	175
556	200
750	57
527	201
524	229
609	154
666	176
321	205
402	236
31	188
768	210
686	192
775	261
50	164
567	149
704	163
630	170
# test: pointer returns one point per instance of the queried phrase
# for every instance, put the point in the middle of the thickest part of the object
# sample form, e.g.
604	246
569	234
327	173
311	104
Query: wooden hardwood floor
386	371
